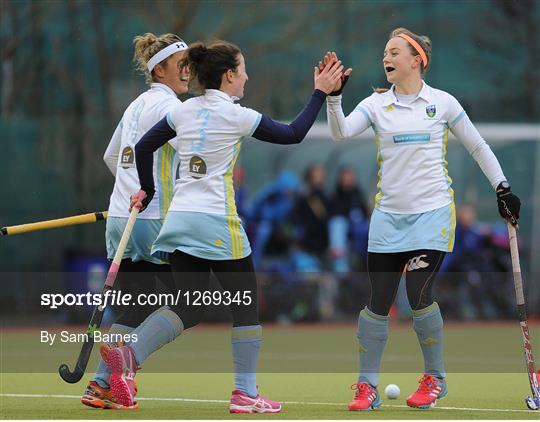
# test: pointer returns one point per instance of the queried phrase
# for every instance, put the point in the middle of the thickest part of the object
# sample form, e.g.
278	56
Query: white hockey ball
392	391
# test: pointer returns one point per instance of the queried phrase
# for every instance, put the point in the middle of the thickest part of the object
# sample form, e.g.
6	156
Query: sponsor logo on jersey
431	110
410	138
197	167
389	108
416	263
127	159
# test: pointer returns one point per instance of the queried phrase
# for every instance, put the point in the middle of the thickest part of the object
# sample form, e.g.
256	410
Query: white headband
166	52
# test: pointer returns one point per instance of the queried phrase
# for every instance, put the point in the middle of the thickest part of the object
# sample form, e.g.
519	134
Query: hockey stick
533	402
51	224
97	315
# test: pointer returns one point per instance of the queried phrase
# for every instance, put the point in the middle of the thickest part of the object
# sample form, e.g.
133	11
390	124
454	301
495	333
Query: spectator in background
311	215
477	269
348	226
468	244
269	215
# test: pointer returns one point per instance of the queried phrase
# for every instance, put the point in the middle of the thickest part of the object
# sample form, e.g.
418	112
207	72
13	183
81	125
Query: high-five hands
326	77
330	57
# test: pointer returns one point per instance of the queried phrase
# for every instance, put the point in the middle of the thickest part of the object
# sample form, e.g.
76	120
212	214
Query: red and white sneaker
242	403
429	390
121	361
365	398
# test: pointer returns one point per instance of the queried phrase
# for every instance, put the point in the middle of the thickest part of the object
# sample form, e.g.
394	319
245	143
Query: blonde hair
422	40
146	46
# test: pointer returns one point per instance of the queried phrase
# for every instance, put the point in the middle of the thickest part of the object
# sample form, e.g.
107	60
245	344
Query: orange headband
417	47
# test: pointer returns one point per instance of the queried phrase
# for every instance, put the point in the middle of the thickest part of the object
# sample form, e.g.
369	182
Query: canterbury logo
416	263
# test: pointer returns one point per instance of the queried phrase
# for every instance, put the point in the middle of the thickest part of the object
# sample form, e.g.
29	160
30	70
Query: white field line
305	403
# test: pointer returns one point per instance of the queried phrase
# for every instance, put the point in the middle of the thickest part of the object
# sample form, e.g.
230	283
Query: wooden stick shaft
115	265
516	268
51	224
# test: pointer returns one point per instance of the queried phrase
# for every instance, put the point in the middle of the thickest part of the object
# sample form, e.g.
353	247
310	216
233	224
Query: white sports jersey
143	113
210	129
411	146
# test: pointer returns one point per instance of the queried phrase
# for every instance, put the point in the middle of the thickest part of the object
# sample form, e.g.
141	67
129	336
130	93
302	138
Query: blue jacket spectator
269	214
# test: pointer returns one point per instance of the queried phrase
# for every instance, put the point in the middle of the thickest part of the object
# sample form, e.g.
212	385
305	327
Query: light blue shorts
209	236
408	232
143	235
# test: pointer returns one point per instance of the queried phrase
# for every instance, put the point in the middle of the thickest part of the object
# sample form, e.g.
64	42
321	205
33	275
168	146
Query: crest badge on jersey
431	110
127	160
197	167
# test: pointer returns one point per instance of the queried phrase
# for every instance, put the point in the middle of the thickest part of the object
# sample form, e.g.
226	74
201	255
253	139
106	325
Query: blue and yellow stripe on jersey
452	233
379	194
233	222
165	177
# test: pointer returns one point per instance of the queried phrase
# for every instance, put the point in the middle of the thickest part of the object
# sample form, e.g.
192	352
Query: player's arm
342	127
151	141
113	149
274	132
508	203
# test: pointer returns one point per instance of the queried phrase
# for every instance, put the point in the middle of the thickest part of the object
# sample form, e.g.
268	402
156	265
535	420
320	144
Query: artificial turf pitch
486	376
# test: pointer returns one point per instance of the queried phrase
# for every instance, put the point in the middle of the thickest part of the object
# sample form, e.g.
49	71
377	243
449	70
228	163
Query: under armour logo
416	263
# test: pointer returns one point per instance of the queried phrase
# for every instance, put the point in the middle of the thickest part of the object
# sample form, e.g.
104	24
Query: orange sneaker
100	398
429	390
365	398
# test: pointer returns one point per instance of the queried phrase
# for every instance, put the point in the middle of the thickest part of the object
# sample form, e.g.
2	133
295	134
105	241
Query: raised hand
340	84
326	78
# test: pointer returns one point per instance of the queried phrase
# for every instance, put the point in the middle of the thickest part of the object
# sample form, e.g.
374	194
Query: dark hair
208	62
148	45
424	42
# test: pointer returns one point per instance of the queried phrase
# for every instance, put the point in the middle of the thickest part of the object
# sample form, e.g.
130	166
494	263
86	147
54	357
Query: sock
372	335
428	324
103	373
246	343
159	328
